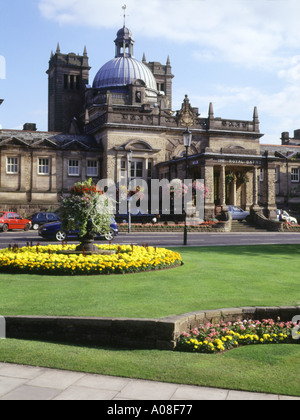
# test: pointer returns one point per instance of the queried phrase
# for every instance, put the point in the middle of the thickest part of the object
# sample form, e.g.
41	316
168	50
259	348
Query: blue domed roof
122	71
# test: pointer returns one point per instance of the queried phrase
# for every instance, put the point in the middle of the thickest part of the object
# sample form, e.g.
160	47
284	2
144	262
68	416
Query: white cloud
254	34
291	73
250	33
278	111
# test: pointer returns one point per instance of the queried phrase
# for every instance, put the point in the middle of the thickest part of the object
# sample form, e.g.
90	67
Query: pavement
18	382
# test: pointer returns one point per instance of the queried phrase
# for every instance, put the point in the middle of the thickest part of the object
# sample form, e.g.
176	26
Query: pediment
14	141
138	145
287	155
75	145
44	143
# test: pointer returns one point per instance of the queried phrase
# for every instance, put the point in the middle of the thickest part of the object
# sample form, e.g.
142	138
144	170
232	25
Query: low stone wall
162	334
272	225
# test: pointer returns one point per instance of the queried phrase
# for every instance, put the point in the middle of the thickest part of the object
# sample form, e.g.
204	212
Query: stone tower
163	75
68	74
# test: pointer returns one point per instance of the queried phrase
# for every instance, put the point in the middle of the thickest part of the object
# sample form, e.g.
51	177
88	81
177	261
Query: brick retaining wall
160	334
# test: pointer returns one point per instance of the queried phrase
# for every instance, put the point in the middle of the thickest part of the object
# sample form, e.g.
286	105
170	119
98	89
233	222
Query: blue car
41	218
53	231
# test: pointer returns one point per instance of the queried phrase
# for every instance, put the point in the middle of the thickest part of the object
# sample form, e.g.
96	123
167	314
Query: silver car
237	213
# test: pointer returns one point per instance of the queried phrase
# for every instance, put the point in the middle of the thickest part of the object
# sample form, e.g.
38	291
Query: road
167	239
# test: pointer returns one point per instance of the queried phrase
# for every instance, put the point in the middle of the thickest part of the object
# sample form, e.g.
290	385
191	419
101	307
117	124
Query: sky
237	54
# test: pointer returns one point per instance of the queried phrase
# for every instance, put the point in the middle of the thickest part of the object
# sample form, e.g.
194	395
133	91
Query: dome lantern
124	43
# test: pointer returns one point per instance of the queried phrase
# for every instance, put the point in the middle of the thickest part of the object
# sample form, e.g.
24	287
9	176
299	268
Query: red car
10	221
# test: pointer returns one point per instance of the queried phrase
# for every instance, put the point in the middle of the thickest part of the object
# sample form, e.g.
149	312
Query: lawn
262	368
211	278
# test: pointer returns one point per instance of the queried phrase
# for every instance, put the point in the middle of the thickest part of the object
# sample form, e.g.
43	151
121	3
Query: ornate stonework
104	123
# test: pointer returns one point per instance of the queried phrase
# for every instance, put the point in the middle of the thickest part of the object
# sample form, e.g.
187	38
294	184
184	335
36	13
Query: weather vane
124	15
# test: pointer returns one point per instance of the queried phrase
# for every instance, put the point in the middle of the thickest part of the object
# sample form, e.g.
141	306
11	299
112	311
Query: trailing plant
86	208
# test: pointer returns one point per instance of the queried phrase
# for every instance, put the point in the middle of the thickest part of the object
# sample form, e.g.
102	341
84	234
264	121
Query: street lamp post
129	159
187	141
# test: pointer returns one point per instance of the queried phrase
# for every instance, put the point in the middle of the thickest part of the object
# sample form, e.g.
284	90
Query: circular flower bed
225	336
54	260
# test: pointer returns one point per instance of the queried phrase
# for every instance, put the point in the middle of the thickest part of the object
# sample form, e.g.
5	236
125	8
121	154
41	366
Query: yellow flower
128	259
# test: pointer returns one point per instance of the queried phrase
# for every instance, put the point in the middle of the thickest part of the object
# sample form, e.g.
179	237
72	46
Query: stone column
209	207
255	187
271	191
22	172
53	174
234	192
255	207
223	187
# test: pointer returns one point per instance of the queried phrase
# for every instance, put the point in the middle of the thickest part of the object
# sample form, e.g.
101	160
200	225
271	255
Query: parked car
138	217
283	215
53	231
11	221
42	218
238	213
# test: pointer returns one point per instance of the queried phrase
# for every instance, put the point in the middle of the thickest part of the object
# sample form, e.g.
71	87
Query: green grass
211	278
262	368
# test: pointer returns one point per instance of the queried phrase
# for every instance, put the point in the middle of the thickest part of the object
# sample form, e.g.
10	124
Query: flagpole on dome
124	15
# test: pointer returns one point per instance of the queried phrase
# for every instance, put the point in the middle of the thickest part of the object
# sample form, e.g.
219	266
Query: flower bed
288	227
171	226
49	260
225	336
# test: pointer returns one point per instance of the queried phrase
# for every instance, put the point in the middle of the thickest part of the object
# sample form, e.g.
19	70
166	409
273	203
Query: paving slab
19	382
8	384
242	395
30	393
56	379
76	393
188	392
148	390
112	383
19	371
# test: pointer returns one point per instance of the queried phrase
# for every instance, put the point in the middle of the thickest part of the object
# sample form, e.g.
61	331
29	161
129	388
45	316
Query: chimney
29	127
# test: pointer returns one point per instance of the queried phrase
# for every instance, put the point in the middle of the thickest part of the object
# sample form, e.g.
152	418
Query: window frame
96	174
295	176
133	169
40	165
10	165
73	166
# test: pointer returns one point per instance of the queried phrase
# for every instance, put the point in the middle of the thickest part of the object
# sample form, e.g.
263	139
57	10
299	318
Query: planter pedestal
87	246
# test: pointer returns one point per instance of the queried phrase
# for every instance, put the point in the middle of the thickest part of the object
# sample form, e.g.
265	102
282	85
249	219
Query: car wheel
35	226
5	228
27	227
61	236
109	236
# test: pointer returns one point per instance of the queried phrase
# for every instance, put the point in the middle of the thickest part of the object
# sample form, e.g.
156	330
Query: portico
243	180
240	182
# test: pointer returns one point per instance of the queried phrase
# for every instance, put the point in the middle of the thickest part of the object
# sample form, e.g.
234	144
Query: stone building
94	128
